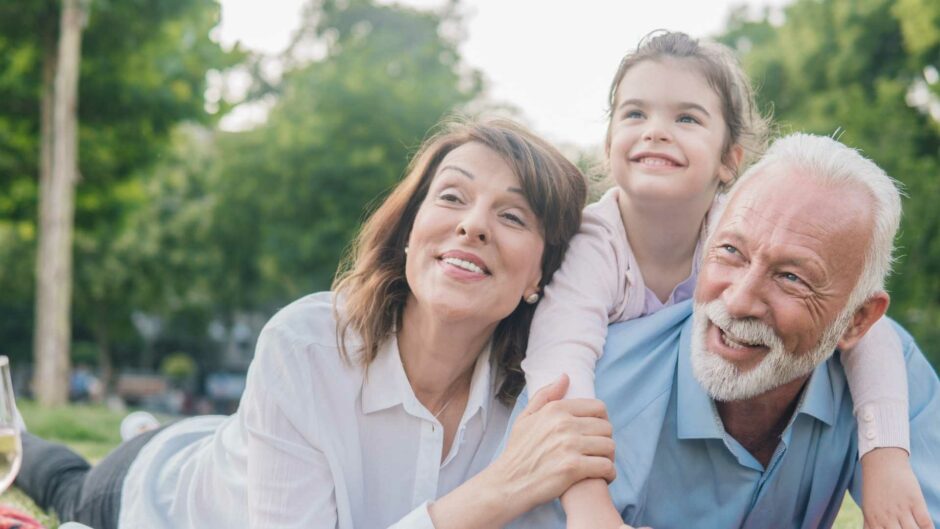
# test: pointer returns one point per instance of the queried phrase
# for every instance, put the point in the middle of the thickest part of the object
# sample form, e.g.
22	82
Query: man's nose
744	295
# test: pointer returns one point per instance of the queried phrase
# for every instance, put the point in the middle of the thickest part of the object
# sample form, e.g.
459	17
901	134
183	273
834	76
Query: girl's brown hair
370	284
745	126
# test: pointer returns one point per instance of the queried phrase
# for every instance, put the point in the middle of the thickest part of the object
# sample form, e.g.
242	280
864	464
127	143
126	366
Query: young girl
683	122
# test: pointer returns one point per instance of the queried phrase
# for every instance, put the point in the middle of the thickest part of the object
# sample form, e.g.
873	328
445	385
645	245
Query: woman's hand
553	444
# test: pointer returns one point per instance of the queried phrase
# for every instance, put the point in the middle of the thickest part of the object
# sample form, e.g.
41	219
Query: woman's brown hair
370	285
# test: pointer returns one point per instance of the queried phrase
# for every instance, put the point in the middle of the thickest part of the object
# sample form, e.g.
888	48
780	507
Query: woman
383	403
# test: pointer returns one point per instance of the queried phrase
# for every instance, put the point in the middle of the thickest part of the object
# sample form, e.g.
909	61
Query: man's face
778	271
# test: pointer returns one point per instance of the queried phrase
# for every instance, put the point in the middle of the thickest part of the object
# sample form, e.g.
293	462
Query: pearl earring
406	250
532	298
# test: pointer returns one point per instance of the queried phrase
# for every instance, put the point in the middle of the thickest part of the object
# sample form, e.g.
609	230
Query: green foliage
178	366
847	67
290	194
143	71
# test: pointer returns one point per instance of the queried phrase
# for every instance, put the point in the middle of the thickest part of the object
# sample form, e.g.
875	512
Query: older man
740	416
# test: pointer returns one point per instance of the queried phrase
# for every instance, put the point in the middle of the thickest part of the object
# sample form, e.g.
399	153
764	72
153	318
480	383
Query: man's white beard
725	382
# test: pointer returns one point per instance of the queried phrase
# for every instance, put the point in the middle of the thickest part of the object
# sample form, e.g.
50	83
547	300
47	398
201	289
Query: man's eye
729	249
793	278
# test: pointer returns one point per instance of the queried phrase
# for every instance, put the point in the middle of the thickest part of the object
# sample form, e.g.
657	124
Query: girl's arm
875	369
590	290
878	382
585	295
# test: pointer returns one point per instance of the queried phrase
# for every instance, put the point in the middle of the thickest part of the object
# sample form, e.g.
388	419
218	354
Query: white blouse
316	442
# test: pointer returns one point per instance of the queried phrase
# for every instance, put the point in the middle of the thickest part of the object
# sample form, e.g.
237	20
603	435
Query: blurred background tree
189	237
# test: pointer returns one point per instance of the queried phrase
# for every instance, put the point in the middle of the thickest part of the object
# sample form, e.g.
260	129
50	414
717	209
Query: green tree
143	70
292	192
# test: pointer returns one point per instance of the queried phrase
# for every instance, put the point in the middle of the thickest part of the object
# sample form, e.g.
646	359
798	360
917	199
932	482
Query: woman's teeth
466	265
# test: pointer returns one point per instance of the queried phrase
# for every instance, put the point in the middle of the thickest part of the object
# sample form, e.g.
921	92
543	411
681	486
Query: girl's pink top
600	283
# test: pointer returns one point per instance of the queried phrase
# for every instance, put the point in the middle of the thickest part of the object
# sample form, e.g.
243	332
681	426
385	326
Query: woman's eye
687	119
449	197
515	219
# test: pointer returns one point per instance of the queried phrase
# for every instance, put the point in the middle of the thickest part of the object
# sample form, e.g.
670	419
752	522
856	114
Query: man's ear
866	316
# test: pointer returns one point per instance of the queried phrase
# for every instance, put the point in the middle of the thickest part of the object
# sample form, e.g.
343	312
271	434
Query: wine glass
11	451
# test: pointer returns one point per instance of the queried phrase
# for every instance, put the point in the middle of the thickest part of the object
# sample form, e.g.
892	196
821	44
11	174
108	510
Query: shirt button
870	434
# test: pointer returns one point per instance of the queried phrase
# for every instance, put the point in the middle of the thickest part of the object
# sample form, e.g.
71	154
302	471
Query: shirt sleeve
924	415
290	485
570	323
419	518
875	370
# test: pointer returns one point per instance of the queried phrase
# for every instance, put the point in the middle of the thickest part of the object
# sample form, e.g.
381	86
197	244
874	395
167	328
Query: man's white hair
833	164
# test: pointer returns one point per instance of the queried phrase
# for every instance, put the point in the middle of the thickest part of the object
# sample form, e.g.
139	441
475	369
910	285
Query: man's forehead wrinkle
804	226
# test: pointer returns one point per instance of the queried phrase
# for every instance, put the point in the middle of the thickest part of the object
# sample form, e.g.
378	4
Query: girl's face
667	132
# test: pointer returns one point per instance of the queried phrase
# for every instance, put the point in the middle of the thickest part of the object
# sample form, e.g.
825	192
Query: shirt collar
697	417
385	384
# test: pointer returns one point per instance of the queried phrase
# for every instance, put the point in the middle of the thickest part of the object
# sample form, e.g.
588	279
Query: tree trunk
57	215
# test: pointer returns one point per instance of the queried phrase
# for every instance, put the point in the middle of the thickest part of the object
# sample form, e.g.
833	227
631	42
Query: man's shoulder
638	367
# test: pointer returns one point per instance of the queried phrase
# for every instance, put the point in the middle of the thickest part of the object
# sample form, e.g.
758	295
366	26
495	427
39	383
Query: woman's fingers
552	392
593	426
583	407
597	446
594	467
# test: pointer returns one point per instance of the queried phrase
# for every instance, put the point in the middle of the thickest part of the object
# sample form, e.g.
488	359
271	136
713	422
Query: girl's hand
891	495
553	444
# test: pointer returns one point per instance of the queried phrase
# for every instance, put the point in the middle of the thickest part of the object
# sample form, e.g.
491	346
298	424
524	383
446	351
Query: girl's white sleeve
877	378
586	293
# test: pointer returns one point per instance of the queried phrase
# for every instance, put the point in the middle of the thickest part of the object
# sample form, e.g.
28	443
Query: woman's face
476	246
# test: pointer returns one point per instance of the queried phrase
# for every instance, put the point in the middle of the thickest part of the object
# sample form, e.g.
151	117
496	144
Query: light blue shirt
677	467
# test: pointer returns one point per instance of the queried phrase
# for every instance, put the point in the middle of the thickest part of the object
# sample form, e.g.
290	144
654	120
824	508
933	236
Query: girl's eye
515	219
633	114
685	118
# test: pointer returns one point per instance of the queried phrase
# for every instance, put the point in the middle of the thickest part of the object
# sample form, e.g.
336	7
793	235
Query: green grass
90	430
93	431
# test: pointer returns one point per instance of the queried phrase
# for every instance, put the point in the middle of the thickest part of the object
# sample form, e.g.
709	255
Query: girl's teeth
655	161
466	265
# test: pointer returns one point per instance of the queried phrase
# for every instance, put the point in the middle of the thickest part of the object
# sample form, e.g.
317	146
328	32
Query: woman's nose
474	226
